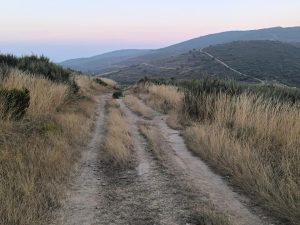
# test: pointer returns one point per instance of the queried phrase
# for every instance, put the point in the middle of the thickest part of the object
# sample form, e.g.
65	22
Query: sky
64	29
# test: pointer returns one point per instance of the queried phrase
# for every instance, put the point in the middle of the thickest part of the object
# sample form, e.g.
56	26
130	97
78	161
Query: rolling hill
270	61
101	62
118	59
266	60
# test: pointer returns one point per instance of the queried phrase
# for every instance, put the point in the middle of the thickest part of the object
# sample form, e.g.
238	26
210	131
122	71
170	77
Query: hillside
291	34
111	61
101	62
266	60
191	65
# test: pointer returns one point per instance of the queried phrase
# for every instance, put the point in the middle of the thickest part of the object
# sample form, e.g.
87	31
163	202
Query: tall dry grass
109	82
88	86
45	96
118	143
38	152
164	98
138	107
257	143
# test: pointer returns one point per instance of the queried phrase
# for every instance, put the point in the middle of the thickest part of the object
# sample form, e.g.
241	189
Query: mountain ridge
96	64
264	61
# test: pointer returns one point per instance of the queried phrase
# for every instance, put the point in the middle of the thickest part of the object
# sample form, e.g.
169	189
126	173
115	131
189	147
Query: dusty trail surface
211	186
170	190
81	205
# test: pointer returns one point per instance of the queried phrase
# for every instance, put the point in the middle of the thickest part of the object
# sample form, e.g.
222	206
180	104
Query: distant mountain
118	59
290	34
270	61
101	62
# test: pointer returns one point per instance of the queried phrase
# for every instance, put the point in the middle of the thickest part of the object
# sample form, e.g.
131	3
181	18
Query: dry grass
173	120
257	143
118	143
109	82
138	107
254	141
37	153
154	138
164	98
45	96
88	87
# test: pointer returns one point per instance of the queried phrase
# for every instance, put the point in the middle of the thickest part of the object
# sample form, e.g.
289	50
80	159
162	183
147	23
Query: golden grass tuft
138	107
164	98
109	82
118	144
45	96
173	120
154	138
88	86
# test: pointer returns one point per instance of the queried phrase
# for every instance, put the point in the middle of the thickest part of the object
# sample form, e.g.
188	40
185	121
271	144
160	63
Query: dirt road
176	189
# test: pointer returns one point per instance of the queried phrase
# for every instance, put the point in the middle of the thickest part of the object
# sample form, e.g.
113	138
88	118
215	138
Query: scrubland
249	134
38	150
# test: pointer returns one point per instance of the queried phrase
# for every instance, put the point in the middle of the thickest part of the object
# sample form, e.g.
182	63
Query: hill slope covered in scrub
39	66
266	60
270	61
111	61
101	62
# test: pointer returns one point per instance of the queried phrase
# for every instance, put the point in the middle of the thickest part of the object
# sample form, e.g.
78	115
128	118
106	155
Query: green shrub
101	82
74	88
160	81
38	66
117	94
13	103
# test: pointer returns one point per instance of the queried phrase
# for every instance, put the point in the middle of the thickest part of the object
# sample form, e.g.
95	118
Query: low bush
13	103
45	96
117	94
40	66
74	88
99	81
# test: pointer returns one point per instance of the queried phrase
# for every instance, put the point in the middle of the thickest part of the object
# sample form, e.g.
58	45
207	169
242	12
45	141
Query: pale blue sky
64	29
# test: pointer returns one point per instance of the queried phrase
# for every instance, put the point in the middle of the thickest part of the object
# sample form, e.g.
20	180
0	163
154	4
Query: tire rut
209	184
80	207
157	194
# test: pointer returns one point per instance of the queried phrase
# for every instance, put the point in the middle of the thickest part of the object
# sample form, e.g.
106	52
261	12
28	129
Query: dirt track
172	190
